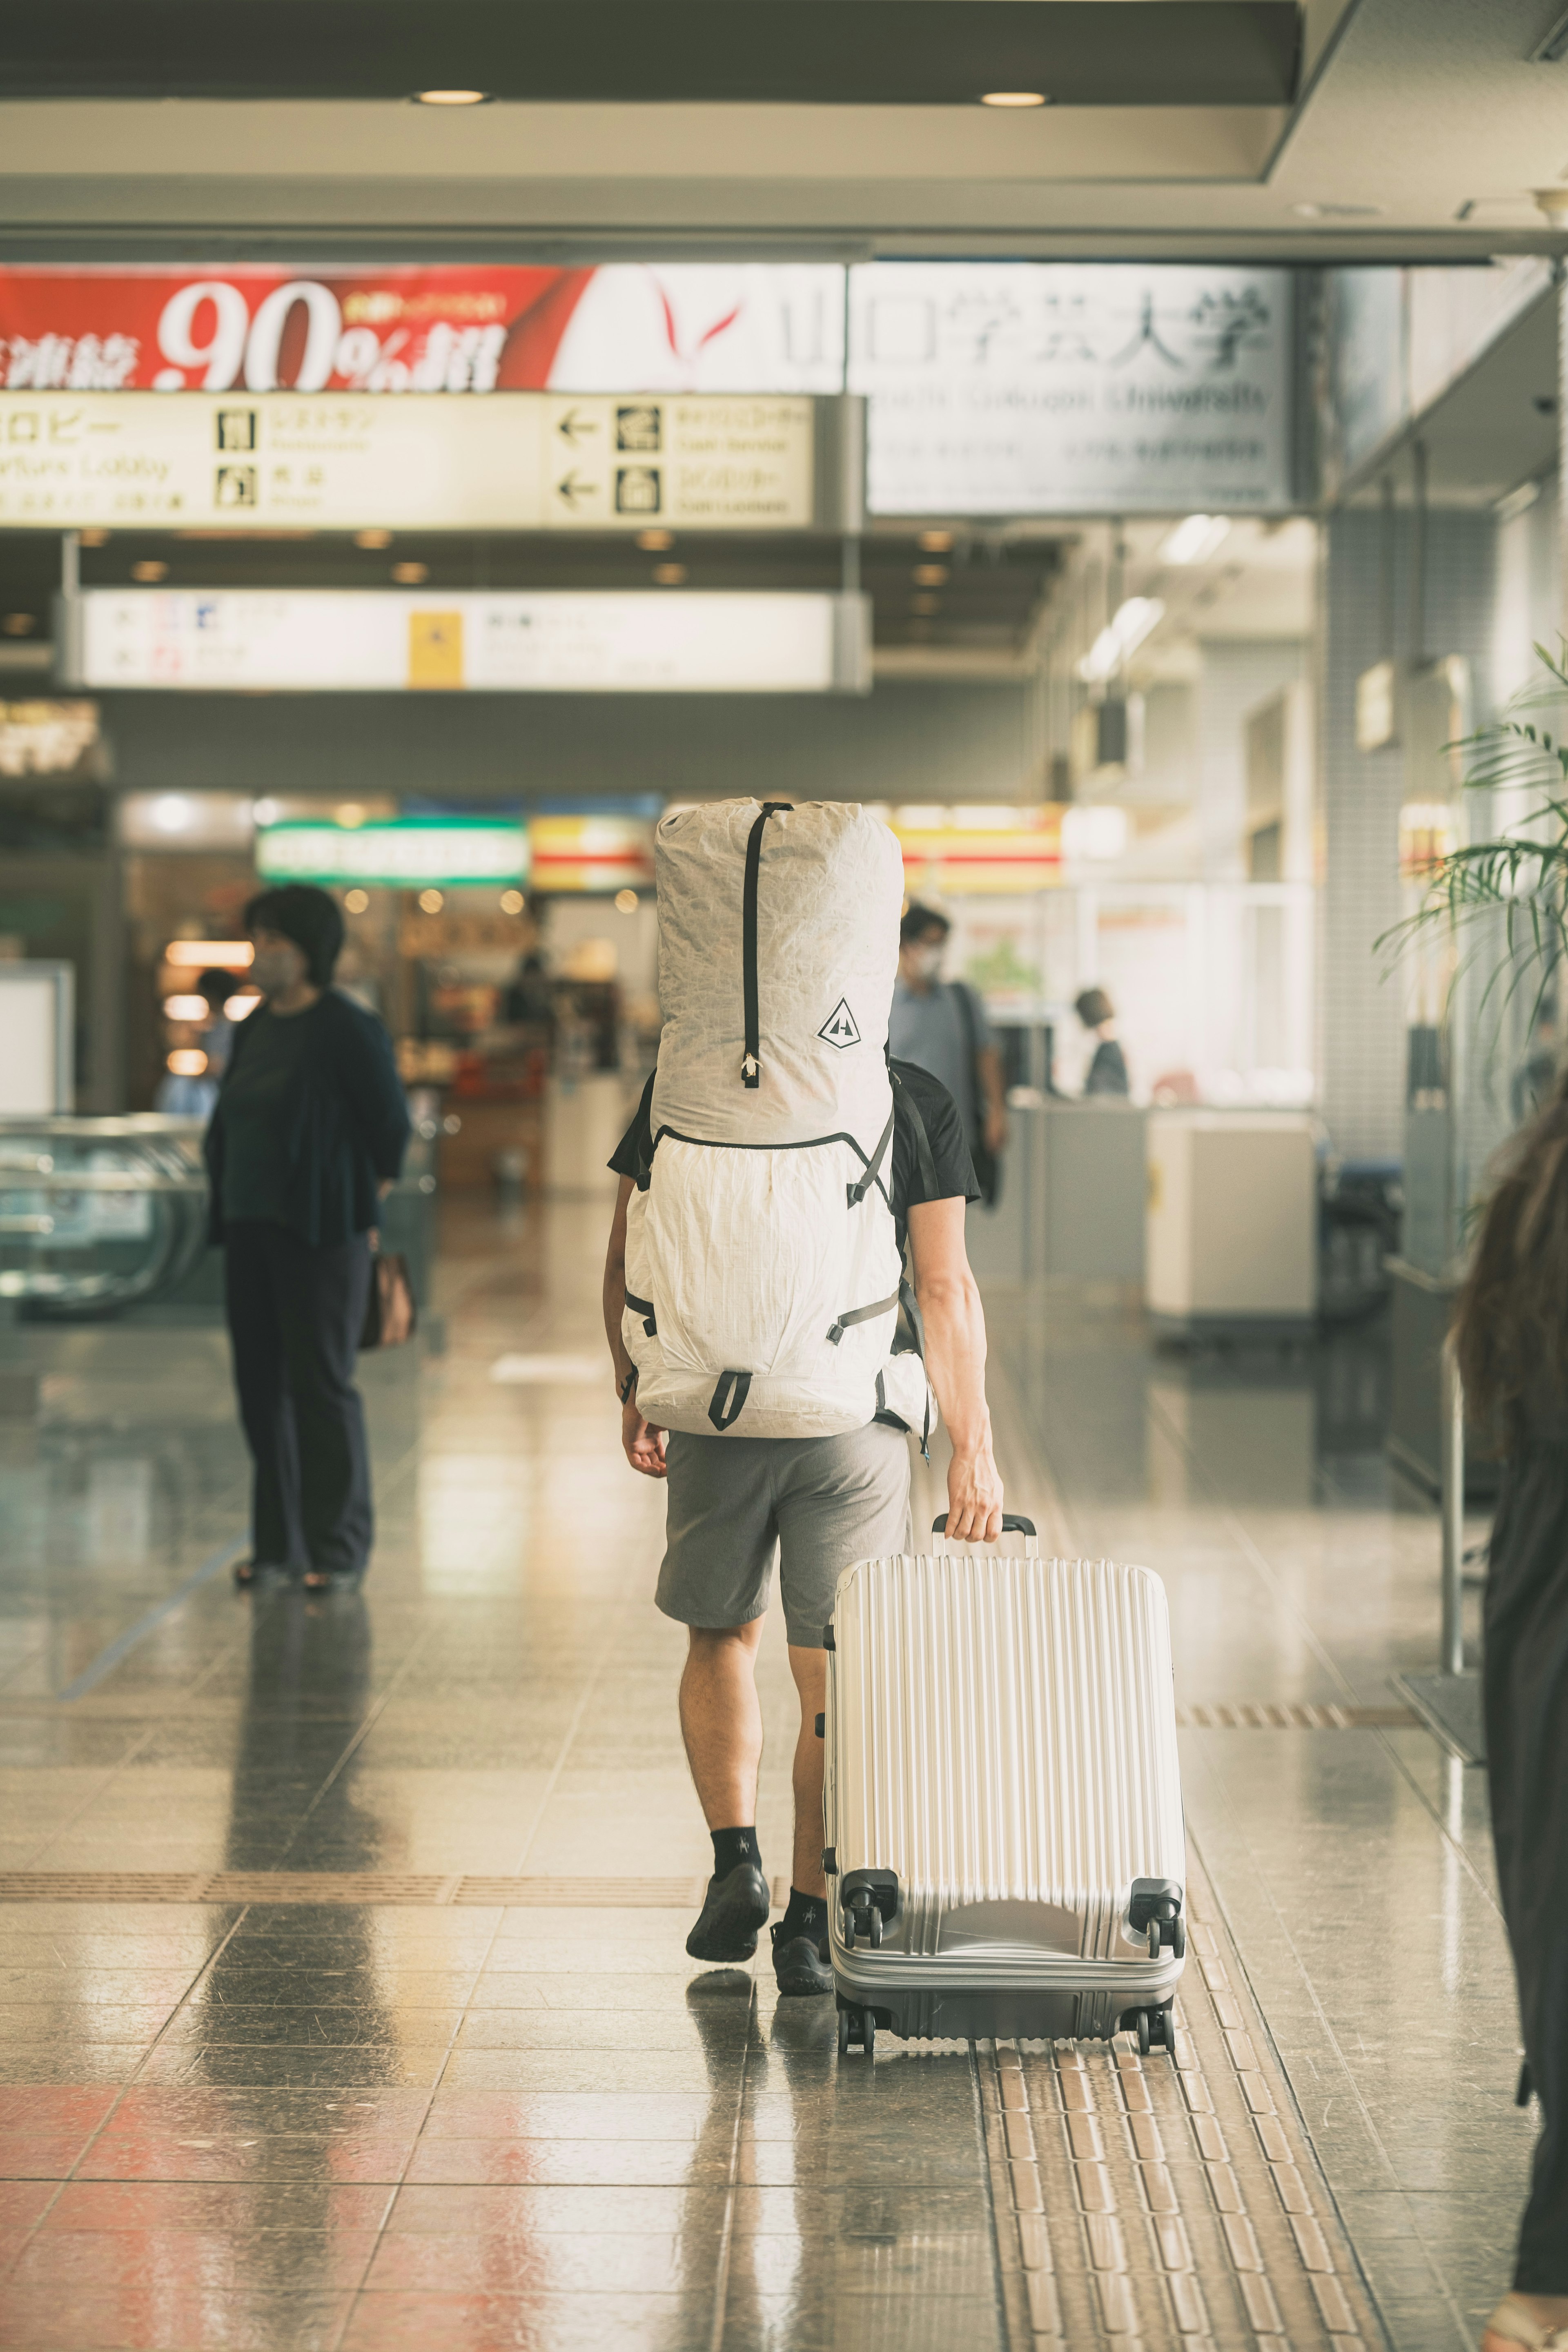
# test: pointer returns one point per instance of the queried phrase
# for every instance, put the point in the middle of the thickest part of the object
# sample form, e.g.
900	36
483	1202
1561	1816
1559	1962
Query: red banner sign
440	330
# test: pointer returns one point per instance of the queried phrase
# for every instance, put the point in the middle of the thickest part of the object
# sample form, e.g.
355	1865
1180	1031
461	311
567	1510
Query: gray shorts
822	1502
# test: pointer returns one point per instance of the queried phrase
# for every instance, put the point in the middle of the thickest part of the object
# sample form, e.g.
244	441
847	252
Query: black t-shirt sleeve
635	1147
945	1132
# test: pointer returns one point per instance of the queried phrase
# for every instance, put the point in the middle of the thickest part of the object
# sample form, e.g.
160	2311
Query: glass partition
97	1214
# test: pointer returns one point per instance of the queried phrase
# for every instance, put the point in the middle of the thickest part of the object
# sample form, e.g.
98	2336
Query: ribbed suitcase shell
1002	1734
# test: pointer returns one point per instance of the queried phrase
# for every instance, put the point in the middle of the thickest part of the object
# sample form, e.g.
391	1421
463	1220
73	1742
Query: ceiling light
1122	635
1015	98
451	96
186	1062
93	538
350	813
1095	832
431	902
653	542
194	955
1194	541
1339	212
376	538
512	902
669	576
936	542
185	1008
627	902
925	604
150	572
18	624
1517	502
356	901
931	575
241	1007
411	575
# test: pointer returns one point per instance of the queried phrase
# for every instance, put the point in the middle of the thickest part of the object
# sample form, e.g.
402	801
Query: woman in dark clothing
309	1131
1511	1334
1108	1070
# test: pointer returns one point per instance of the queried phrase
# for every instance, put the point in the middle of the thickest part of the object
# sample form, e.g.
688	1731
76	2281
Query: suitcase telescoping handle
1010	1526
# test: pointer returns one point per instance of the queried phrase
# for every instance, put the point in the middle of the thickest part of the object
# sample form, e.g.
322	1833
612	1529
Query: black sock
806	1915
731	1847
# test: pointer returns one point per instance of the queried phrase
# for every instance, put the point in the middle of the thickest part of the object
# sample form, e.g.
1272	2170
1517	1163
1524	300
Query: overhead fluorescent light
451	98
1517	502
1122	635
1194	541
1015	98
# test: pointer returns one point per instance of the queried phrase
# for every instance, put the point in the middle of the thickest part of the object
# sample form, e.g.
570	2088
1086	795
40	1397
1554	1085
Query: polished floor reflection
388	2106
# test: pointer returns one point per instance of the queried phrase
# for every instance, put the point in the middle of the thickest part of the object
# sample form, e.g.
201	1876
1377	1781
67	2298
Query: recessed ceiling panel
630	52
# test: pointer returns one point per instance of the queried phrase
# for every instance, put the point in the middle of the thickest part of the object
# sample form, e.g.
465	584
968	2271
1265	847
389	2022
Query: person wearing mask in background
309	1133
194	1098
1108	1070
1510	1335
941	1026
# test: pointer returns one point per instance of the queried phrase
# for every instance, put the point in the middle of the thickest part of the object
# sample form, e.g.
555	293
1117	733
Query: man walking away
942	1025
840	1489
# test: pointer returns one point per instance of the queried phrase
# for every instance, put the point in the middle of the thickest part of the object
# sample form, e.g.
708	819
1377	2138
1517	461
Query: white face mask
927	962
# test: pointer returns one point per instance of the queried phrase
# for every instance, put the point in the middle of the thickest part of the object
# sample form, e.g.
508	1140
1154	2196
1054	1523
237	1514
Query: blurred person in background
195	1097
1511	1335
941	1026
1108	1070
309	1133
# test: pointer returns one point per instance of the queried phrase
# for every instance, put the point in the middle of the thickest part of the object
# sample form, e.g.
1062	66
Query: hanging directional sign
515	461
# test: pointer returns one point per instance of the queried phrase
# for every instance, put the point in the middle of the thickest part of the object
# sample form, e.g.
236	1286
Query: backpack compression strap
750	1065
859	1190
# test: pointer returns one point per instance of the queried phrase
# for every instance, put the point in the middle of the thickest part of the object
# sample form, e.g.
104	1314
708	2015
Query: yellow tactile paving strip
1145	2206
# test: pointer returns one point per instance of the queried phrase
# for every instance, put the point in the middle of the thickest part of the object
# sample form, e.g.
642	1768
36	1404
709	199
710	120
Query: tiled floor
442	2121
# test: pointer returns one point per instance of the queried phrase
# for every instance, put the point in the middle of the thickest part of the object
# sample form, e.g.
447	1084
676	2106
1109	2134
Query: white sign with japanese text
1015	388
338	461
380	640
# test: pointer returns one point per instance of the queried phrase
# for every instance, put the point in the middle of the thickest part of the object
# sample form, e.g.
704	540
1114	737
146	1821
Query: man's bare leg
721	1724
722	1720
809	1668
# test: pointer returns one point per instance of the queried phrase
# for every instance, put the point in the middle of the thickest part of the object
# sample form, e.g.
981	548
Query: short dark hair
923	923
218	986
1094	1008
310	918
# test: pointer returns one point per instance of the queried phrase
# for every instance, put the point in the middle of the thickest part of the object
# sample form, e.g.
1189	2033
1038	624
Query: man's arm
642	1443
955	1361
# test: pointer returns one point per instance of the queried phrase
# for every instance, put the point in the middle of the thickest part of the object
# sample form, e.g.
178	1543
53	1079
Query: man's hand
974	1499
642	1443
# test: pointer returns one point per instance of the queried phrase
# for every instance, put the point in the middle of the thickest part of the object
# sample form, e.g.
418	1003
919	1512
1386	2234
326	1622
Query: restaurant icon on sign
638	426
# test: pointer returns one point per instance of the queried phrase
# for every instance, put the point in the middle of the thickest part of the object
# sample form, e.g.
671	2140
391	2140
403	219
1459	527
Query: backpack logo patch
839	1028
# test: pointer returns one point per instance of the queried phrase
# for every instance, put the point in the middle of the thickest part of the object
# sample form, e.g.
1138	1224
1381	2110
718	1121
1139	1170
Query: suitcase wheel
1143	2033
857	2025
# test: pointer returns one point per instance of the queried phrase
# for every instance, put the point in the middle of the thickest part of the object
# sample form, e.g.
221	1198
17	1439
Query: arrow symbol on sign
571	490
571	426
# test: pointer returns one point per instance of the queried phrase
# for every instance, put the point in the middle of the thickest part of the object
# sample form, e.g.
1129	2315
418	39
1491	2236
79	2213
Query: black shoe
801	1965
734	1908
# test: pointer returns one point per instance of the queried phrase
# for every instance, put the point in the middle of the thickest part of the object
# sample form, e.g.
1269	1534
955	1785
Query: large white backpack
762	1272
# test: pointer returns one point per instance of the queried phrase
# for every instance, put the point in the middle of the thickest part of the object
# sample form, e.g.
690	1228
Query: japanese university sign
995	388
518	461
1072	388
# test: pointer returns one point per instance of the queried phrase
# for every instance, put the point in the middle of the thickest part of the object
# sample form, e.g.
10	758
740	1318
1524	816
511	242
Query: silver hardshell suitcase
1003	1804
